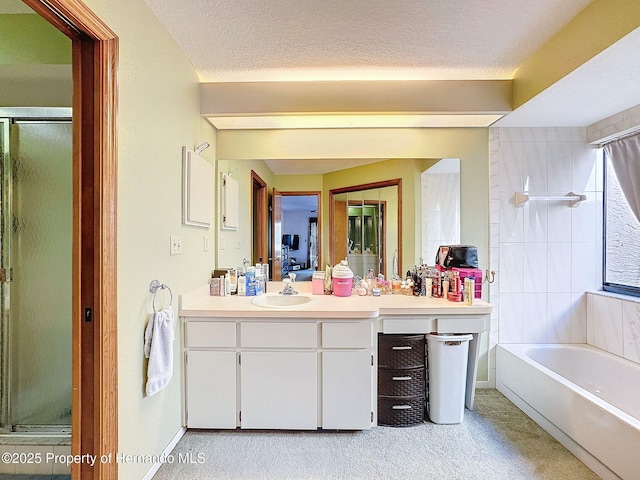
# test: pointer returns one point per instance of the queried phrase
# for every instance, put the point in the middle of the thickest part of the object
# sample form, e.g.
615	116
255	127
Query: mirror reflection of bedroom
299	236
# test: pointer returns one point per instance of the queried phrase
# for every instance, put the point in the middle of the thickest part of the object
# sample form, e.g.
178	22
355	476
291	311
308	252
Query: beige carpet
495	441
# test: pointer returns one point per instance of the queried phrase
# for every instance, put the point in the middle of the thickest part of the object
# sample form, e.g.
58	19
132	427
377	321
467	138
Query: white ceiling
303	40
288	40
262	40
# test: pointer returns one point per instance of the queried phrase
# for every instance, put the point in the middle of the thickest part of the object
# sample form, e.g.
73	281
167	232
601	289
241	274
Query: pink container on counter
342	286
342	279
317	283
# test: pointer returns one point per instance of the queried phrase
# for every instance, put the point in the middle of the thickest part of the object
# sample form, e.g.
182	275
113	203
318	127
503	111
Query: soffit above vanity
357	103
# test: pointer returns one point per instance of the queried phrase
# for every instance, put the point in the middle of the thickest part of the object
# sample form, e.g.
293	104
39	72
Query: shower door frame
94	306
5	246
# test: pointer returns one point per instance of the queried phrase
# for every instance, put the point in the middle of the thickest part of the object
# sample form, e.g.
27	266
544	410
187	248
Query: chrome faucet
288	288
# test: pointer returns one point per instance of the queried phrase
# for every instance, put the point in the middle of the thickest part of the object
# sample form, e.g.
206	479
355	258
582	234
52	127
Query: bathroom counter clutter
200	304
303	361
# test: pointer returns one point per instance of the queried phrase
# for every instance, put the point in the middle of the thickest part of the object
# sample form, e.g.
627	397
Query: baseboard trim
168	449
482	384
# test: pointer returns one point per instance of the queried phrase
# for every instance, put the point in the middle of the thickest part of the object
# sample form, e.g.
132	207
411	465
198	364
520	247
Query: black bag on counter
459	256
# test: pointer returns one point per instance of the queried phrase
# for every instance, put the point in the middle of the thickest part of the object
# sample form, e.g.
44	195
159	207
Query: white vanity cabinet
279	390
210	361
280	373
348	375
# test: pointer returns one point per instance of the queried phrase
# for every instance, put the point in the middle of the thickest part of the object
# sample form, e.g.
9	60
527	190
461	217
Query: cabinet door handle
401	378
401	348
401	407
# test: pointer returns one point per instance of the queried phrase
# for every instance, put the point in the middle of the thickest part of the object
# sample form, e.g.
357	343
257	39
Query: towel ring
154	287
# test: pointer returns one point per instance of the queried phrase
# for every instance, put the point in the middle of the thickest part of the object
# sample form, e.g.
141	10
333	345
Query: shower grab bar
154	287
573	198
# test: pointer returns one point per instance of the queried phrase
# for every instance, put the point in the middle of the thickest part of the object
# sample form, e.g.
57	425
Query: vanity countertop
200	304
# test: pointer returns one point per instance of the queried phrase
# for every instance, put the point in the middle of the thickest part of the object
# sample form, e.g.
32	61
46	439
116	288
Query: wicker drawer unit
400	351
401	380
401	383
400	411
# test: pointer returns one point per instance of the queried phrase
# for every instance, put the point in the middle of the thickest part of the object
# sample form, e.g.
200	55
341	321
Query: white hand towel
158	348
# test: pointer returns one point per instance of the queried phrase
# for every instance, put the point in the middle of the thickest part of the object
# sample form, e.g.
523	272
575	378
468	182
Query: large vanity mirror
365	227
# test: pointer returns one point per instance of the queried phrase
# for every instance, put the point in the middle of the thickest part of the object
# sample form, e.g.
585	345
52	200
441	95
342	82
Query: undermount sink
280	301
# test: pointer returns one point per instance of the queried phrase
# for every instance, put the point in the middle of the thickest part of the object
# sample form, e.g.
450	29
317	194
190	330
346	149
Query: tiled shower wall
546	254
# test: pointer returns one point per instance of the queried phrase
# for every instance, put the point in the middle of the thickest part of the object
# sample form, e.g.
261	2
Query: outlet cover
206	243
176	245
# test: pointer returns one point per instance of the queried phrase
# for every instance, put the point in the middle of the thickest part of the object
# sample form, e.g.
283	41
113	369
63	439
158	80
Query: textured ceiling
263	40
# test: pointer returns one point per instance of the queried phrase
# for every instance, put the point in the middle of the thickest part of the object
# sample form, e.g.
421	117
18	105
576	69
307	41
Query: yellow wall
598	26
158	113
28	38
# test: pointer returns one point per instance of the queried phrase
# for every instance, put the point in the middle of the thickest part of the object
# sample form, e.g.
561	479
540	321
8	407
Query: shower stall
35	276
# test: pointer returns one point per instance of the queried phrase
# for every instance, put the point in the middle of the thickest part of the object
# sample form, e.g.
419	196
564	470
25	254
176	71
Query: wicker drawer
400	411
400	351
401	383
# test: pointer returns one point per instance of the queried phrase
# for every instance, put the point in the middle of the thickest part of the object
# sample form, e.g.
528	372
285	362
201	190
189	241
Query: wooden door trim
261	207
94	335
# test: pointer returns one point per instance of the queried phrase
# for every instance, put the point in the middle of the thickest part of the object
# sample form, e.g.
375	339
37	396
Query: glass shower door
38	239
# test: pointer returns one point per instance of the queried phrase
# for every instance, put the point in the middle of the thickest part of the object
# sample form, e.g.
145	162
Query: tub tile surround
544	252
547	254
613	324
45	466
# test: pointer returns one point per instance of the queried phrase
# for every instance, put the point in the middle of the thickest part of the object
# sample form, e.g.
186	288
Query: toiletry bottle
259	280
251	281
242	285
227	283
469	290
233	278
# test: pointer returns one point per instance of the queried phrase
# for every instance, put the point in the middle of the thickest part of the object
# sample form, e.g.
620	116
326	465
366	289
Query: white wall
440	212
297	223
546	254
158	113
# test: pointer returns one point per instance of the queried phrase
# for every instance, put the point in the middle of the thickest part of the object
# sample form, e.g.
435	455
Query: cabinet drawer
346	335
211	334
280	335
401	383
413	324
400	351
450	324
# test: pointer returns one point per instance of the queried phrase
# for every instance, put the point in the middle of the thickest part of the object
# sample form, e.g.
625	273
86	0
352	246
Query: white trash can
447	357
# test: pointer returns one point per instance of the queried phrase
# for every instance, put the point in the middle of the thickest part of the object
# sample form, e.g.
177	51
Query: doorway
94	281
300	239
